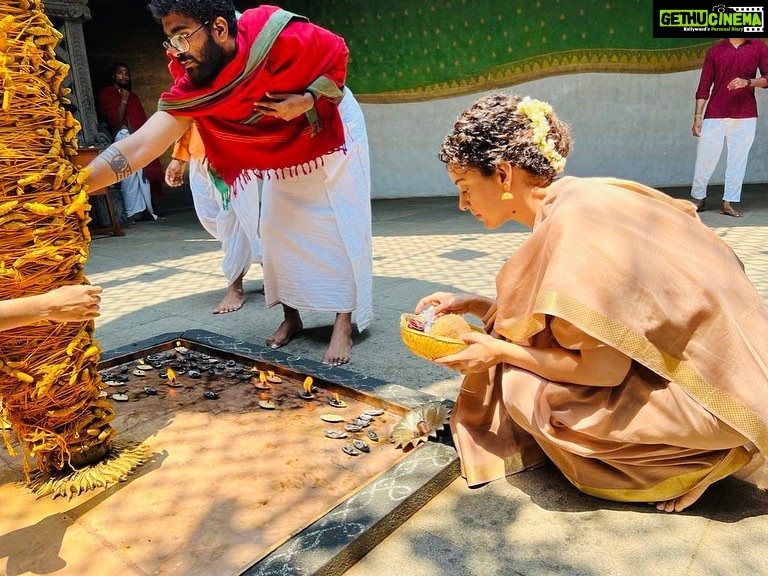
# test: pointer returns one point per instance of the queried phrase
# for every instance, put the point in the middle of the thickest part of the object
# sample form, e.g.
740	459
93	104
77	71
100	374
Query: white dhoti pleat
236	227
316	230
135	189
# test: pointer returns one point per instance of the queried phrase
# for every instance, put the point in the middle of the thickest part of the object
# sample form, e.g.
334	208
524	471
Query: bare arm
601	366
76	303
448	302
285	106
698	116
121	159
174	172
124	95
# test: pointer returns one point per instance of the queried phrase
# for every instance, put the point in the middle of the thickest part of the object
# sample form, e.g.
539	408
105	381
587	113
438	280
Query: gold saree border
621	337
524	459
673	487
636	61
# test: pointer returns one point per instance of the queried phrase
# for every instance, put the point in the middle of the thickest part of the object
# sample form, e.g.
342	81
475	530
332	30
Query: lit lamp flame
172	381
272	377
306	393
262	383
336	402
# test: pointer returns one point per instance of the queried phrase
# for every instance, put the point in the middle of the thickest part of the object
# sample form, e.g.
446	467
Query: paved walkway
164	276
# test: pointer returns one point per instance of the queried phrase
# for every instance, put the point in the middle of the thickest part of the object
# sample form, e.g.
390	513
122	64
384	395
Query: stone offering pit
262	463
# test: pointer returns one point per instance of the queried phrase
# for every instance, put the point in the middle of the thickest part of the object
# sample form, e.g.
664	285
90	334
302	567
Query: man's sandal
730	211
700	205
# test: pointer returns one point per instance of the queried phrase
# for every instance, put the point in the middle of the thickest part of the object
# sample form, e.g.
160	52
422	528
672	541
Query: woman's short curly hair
200	10
492	131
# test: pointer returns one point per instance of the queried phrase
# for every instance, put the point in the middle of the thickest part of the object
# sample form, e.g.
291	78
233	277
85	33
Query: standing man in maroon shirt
726	88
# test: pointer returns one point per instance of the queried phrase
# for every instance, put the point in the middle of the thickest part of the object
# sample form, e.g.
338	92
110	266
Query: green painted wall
401	50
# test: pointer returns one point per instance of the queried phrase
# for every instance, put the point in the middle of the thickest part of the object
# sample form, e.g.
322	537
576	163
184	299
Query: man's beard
124	85
211	62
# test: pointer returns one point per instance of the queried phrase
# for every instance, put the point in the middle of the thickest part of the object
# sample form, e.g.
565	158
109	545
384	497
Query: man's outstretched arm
137	150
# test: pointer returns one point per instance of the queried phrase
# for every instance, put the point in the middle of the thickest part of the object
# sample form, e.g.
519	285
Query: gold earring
506	195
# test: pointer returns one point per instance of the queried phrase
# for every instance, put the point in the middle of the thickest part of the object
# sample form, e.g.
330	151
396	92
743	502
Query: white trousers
135	189
738	133
237	227
316	230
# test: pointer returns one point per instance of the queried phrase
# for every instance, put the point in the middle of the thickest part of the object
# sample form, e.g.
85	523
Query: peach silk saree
614	263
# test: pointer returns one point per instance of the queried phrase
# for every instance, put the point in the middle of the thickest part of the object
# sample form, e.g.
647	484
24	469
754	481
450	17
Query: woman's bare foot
233	300
289	327
340	347
735	460
681	502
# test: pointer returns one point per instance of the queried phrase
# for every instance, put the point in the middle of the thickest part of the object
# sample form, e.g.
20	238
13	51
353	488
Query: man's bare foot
233	300
729	210
289	327
340	347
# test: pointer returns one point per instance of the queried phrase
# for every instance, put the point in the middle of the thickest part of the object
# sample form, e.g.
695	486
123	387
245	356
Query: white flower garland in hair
537	112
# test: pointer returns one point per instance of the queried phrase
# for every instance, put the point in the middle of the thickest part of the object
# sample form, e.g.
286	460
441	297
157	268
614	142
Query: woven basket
427	346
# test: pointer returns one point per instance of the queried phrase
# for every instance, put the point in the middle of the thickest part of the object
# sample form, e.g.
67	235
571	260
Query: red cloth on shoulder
234	141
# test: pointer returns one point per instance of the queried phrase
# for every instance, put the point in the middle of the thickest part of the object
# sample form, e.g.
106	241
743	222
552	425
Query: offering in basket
434	337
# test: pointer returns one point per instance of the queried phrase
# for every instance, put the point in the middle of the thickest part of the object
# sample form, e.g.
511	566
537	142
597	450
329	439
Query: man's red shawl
277	52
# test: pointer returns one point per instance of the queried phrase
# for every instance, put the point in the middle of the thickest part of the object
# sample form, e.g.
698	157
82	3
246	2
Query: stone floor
164	276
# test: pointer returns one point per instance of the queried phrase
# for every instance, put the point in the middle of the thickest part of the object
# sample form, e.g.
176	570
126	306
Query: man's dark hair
116	64
200	10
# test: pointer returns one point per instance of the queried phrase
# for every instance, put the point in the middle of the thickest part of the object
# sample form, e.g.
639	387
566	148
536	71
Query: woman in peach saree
626	343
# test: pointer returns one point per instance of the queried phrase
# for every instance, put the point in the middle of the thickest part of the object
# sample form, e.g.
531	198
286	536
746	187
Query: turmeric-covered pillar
50	389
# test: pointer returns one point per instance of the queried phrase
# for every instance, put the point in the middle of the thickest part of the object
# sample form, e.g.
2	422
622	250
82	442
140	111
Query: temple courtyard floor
165	277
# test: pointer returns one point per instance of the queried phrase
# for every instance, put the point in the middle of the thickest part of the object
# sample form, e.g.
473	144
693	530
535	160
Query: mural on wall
404	51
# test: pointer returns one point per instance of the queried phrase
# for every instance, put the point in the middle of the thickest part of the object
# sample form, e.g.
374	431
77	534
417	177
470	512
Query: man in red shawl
121	109
266	92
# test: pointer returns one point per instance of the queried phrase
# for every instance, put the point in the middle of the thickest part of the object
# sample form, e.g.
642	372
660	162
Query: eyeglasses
179	43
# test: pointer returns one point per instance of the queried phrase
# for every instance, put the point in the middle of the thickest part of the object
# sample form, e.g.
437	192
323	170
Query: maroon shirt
723	63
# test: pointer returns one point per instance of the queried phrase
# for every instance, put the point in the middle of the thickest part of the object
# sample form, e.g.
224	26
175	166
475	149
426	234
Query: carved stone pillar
67	16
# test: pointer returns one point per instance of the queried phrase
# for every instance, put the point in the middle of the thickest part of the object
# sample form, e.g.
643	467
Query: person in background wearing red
123	112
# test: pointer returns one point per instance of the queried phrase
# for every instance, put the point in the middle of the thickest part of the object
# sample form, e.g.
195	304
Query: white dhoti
316	230
135	189
236	227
